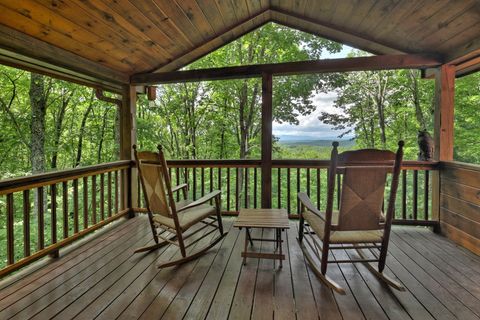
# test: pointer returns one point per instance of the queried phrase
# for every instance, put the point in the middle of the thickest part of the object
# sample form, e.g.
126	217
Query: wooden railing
47	211
239	181
40	214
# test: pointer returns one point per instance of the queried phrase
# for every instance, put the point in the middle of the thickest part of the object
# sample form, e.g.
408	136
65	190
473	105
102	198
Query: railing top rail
284	163
43	179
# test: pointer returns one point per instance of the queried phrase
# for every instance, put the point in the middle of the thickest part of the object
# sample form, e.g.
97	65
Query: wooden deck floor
103	279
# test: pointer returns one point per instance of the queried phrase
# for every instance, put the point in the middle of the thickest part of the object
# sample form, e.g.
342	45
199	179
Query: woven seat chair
359	223
170	221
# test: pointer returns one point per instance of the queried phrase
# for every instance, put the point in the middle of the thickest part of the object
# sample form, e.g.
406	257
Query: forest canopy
51	124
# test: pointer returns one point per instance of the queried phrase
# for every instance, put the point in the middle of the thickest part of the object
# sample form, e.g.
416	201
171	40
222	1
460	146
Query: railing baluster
228	189
298	190
109	193
94	199
255	188
85	202
246	188
279	188
177	179
53	217
194	183
53	212
26	223
65	208
338	191
41	219
288	190
10	230
404	194
202	180
116	192
425	194
139	192
308	182
102	196
211	179
415	194
75	206
237	189
318	188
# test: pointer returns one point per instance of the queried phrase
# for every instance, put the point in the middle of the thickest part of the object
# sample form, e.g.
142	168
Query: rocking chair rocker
359	223
170	220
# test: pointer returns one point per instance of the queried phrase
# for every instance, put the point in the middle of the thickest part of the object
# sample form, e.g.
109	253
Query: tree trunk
58	128
38	103
82	131
102	136
416	100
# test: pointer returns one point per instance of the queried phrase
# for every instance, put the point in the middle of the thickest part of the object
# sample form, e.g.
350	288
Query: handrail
43	179
284	163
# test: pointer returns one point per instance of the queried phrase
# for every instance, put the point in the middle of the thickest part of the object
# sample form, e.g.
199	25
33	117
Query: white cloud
310	126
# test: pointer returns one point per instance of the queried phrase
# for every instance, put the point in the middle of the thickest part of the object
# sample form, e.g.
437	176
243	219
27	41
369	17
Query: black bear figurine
425	146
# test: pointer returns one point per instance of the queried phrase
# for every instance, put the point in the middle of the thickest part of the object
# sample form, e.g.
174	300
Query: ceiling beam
383	62
23	51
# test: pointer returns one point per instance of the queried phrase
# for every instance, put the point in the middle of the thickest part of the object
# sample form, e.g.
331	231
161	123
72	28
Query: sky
310	128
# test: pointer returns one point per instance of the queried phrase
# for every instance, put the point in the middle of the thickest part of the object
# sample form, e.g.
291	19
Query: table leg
280	245
246	246
249	237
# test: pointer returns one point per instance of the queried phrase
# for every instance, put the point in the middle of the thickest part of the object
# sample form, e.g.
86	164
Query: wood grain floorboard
103	279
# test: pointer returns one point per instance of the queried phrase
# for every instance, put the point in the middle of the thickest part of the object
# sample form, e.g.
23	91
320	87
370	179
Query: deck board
103	279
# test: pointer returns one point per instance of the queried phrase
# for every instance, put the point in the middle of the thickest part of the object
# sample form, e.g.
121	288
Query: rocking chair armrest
307	203
179	187
202	200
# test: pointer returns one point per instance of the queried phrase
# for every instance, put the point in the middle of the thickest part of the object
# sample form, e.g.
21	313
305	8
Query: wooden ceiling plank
240	9
344	11
70	11
226	10
76	33
424	13
117	24
16	47
391	21
467	40
196	16
213	14
335	33
381	16
383	62
216	42
158	17
361	13
137	19
457	28
441	19
177	17
45	33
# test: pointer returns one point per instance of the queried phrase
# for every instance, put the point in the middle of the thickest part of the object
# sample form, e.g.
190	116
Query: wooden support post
267	117
127	140
443	127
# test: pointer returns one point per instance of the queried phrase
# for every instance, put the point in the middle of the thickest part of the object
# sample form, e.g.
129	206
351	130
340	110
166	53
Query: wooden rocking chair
359	223
170	220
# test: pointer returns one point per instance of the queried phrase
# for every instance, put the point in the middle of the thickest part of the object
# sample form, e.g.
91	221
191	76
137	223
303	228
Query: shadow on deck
103	279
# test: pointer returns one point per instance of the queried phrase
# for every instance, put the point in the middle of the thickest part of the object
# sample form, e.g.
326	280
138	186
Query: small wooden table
263	218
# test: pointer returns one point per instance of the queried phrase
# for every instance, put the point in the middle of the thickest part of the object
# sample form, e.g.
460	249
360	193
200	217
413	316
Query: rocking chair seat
318	225
188	217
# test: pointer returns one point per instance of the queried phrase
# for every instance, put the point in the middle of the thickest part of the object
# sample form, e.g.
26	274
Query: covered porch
128	48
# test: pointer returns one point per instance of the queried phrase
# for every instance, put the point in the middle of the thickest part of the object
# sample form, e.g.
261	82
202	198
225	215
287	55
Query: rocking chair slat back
154	188
362	198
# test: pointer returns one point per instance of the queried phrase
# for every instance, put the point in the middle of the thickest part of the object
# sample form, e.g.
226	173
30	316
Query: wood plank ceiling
136	36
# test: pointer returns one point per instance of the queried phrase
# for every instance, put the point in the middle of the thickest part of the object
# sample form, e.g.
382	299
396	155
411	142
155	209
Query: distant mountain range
319	143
